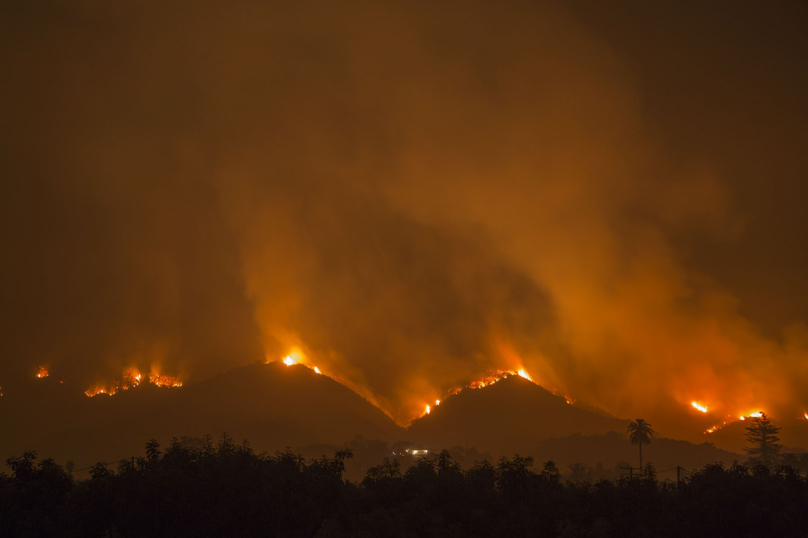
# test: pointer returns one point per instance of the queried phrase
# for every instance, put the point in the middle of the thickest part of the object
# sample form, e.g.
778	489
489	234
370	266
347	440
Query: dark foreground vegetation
226	489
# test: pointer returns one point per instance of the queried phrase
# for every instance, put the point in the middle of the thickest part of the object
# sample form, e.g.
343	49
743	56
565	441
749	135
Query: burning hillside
488	379
132	378
511	414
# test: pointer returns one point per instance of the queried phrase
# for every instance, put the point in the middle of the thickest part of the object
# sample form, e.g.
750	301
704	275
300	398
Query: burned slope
512	415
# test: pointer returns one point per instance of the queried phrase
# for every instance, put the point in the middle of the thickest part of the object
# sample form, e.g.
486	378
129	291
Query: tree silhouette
226	489
640	433
762	435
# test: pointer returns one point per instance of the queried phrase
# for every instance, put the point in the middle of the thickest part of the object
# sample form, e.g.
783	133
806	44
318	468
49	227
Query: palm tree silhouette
640	433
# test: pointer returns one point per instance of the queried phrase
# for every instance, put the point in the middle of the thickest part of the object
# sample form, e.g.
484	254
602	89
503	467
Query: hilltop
512	415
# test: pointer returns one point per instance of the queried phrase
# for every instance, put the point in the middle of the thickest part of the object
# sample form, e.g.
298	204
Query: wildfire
806	416
492	377
569	400
41	372
702	408
489	378
730	420
437	402
294	358
428	410
164	381
130	379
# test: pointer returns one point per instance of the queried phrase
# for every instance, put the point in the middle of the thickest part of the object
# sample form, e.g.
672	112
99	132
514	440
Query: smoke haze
408	195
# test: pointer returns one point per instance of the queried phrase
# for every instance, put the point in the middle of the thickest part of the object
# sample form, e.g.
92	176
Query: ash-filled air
406	194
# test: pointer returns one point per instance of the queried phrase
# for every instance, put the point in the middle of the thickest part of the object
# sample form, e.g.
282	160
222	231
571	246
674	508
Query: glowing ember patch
317	370
730	420
130	379
488	379
41	372
702	408
569	400
164	381
289	361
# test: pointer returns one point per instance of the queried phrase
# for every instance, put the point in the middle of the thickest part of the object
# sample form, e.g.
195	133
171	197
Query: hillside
271	405
509	416
793	435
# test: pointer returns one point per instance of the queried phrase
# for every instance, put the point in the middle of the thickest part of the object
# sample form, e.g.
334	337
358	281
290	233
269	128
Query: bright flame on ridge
730	420
164	380
317	370
289	361
41	372
522	373
702	408
428	410
132	378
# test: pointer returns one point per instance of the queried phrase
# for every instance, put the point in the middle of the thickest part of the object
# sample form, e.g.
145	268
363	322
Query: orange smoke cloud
412	195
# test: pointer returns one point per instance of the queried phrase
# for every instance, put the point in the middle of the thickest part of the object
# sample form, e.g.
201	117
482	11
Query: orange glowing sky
413	195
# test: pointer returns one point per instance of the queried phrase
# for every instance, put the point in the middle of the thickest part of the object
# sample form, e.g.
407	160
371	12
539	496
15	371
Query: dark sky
410	194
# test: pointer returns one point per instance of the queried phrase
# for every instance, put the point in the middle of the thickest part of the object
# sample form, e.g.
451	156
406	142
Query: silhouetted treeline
227	489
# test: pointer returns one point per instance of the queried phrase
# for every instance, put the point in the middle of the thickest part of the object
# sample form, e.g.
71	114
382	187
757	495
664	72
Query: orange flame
428	410
730	420
164	380
41	372
132	378
702	408
489	378
317	370
289	361
569	400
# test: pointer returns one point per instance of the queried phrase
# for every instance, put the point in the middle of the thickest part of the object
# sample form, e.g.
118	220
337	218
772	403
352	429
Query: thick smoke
409	195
